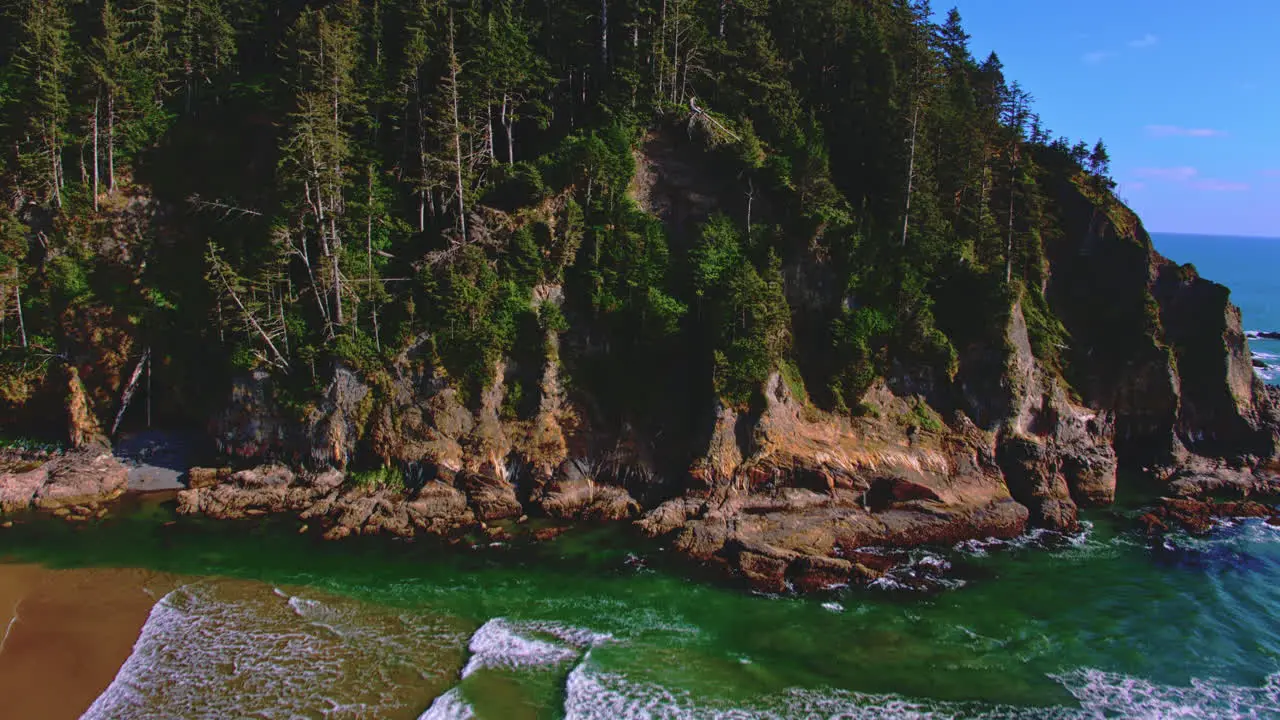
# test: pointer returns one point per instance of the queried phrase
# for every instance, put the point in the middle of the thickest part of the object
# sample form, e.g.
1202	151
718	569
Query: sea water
596	624
1250	267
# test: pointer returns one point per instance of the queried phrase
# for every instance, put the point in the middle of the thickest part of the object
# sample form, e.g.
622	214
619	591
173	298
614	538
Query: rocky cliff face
1154	375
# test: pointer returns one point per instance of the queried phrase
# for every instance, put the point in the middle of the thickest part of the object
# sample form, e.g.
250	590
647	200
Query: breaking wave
592	694
216	650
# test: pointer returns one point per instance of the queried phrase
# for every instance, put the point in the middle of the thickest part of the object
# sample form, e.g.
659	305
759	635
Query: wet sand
65	633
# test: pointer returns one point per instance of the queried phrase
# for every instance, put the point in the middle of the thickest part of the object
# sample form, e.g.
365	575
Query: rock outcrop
436	508
76	484
811	489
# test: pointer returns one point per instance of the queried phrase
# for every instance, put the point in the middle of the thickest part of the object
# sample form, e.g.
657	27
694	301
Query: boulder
86	478
1197	516
1033	471
18	490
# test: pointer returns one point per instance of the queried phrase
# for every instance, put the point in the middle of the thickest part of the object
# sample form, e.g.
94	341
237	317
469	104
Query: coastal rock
338	420
199	478
82	479
18	490
250	424
574	493
1198	516
1033	472
374	512
83	428
813	573
816	487
492	498
439	508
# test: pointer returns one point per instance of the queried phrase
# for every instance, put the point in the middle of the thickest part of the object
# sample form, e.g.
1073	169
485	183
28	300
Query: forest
668	199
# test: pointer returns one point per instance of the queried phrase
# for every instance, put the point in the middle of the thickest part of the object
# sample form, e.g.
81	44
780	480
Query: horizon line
1232	235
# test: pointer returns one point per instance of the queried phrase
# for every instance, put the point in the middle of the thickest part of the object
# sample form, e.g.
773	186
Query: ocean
1250	267
257	620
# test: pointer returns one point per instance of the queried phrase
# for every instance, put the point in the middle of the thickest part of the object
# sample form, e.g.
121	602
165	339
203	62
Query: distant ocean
1250	266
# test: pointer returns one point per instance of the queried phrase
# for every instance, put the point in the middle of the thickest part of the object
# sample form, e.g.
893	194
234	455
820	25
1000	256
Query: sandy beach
65	633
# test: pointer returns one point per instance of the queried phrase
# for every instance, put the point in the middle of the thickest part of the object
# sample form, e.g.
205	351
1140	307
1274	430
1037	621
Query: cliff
1154	376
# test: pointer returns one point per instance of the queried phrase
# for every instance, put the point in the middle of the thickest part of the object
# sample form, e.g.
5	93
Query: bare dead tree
226	209
233	287
130	388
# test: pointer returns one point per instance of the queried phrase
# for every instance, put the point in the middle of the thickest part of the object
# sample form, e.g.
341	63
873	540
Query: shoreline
68	631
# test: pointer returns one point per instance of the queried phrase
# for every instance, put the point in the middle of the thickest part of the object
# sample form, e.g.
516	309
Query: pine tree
43	62
318	147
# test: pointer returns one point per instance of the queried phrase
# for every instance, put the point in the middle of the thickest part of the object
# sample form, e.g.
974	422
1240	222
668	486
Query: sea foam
449	706
504	643
216	650
592	694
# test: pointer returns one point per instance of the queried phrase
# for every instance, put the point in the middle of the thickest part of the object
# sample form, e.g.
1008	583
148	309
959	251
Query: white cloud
1220	185
1096	57
1144	42
1187	177
1176	174
1162	131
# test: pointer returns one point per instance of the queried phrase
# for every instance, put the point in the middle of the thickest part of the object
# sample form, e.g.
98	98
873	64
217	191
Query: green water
595	624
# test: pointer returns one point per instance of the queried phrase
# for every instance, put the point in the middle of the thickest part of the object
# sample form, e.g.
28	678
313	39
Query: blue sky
1185	94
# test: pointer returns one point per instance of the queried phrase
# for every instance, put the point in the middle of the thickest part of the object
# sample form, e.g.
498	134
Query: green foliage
860	336
345	182
715	253
477	315
1050	341
795	381
922	416
551	318
751	329
381	478
68	280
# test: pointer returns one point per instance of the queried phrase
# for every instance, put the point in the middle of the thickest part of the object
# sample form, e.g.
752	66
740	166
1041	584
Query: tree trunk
507	122
488	132
1008	252
457	134
111	143
17	298
604	33
337	270
368	245
911	172
675	55
130	388
95	155
54	180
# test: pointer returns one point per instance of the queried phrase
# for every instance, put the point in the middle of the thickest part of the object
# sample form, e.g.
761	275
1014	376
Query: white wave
216	650
1265	355
502	643
1104	694
919	570
834	607
8	628
1038	538
1238	534
592	694
449	706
